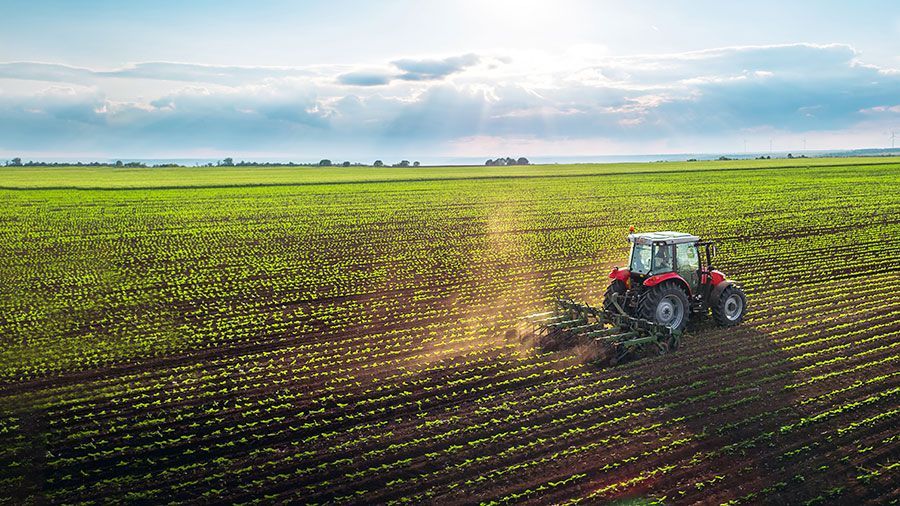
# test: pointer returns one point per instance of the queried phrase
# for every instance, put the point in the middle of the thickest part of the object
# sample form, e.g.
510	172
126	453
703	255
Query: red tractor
648	305
667	283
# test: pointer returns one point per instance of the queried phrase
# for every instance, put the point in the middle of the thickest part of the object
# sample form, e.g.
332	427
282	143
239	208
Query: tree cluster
405	163
507	161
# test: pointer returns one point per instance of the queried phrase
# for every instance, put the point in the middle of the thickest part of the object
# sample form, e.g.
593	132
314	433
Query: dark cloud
411	70
429	69
365	78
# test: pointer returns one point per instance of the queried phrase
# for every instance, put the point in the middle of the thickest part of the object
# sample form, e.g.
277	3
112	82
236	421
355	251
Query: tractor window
640	259
687	262
662	258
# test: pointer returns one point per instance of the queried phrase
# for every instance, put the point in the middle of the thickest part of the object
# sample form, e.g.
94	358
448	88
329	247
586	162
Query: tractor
647	305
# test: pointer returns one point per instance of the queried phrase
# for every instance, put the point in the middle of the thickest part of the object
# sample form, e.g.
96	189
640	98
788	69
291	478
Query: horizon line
546	159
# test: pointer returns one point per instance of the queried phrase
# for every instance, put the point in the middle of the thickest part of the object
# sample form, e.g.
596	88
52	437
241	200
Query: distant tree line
325	162
17	162
226	162
760	157
507	161
378	163
229	162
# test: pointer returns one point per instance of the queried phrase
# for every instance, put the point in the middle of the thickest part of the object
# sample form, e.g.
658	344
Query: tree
16	162
345	164
404	163
522	161
324	163
416	163
489	162
790	155
378	163
228	162
119	163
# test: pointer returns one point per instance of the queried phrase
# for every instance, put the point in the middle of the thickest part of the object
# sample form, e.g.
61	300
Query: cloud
365	78
882	109
434	105
166	71
38	71
431	69
231	75
414	70
191	72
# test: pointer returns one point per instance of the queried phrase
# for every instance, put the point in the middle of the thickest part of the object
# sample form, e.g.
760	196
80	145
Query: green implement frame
619	336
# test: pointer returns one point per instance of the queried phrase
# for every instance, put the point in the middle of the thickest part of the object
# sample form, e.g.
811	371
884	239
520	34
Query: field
343	335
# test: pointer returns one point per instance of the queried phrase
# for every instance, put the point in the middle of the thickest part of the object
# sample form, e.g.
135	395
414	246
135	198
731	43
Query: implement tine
565	323
545	321
588	328
618	337
598	334
538	315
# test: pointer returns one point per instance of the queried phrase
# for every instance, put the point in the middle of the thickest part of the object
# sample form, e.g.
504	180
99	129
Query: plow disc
611	334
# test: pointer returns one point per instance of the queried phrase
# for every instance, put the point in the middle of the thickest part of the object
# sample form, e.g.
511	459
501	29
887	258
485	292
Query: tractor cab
658	253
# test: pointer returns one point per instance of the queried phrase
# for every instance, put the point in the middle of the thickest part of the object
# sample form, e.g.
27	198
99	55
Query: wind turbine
893	136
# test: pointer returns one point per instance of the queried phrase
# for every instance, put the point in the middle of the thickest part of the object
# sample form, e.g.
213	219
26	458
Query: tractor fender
620	274
659	278
715	277
718	289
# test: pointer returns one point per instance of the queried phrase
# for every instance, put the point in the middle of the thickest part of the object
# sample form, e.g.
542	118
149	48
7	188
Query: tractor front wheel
666	304
731	307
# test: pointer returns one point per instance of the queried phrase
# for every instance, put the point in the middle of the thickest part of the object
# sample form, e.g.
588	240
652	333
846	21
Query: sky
440	81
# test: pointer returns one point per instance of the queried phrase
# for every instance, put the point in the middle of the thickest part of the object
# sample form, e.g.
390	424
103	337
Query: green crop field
256	335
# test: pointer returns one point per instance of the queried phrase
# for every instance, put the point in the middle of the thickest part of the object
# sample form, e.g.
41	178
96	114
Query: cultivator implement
613	335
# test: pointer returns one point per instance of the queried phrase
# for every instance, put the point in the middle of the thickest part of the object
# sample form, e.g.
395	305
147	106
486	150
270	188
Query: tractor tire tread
647	307
718	306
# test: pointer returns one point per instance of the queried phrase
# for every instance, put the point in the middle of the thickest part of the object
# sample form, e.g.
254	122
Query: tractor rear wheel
731	307
617	290
666	304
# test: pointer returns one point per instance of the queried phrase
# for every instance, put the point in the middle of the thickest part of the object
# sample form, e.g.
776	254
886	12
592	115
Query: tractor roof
662	237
